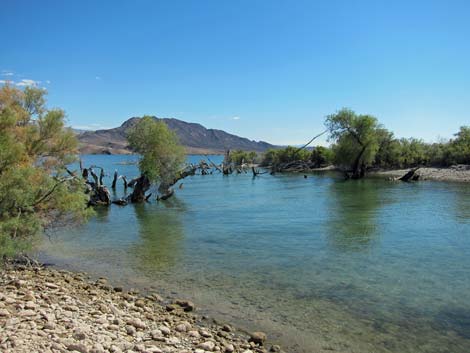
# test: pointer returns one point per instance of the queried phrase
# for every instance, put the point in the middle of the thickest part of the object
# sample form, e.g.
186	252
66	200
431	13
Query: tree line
360	142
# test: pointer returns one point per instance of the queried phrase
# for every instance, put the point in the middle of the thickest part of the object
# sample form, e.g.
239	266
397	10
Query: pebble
46	310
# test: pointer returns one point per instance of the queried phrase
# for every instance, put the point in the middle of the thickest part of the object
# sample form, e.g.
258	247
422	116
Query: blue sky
268	70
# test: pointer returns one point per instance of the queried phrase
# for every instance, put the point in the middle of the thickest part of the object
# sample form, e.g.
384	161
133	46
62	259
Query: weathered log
101	176
120	202
256	172
410	175
166	195
115	179
141	186
99	196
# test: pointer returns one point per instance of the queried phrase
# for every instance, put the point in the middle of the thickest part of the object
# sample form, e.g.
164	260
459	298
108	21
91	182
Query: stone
79	347
51	285
186	305
181	328
30	305
227	328
79	335
140	303
207	346
27	313
258	337
229	348
137	323
205	333
194	334
275	348
4	313
131	331
165	330
156	334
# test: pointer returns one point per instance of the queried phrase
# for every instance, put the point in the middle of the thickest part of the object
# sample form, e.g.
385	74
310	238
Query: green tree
161	155
321	156
356	140
388	151
35	190
460	146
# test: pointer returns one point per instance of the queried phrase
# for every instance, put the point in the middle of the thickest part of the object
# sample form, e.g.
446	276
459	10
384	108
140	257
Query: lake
319	263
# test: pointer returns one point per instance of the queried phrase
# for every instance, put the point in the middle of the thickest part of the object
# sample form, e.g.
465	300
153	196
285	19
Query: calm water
319	263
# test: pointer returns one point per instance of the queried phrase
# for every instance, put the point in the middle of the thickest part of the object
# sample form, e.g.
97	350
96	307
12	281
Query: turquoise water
321	264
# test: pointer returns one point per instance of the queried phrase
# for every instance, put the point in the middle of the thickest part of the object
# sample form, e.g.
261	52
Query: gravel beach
49	310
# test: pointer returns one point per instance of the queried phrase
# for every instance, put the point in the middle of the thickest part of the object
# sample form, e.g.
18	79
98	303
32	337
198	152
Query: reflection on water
462	204
160	238
353	214
321	264
102	214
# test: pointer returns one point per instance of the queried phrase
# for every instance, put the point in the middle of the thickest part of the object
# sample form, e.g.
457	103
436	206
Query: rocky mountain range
196	138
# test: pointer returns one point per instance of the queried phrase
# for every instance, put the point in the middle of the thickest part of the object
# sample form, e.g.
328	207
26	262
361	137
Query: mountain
195	137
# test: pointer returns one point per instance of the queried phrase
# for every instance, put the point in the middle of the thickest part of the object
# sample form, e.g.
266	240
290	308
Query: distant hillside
195	137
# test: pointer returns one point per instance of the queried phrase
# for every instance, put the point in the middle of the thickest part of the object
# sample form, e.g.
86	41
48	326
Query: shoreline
45	309
451	174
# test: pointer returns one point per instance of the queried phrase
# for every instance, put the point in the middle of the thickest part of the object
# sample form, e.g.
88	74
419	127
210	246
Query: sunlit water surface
321	264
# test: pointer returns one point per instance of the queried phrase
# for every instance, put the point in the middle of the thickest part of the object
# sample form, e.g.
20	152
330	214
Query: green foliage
459	148
161	154
275	157
35	148
239	157
321	156
356	137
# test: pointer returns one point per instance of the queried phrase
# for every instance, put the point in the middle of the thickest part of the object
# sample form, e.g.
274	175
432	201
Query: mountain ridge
195	137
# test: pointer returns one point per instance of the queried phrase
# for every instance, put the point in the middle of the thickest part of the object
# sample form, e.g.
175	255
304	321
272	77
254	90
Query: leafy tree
35	148
321	156
412	153
459	148
388	152
356	140
161	155
239	157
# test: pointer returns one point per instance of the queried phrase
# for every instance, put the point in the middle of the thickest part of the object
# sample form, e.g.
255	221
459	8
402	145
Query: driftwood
115	179
411	175
256	172
120	202
166	195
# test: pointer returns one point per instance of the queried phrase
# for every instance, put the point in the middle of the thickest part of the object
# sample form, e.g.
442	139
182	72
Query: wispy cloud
48	82
236	118
93	127
28	83
98	78
7	73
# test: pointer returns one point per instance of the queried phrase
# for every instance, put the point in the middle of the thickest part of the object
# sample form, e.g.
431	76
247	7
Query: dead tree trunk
411	175
115	179
141	186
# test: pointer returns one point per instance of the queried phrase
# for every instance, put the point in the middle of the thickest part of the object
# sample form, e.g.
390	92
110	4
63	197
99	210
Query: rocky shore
458	173
48	310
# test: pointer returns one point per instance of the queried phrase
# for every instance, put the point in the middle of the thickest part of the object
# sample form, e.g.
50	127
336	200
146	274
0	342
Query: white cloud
236	118
4	82
48	82
28	83
7	73
92	127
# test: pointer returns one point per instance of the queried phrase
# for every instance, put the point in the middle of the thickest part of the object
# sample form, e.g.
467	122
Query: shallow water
319	263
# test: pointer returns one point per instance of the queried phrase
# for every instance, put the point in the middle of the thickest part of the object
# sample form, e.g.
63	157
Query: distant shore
49	310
